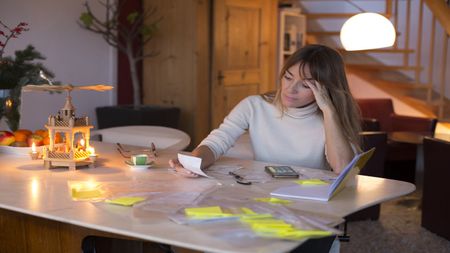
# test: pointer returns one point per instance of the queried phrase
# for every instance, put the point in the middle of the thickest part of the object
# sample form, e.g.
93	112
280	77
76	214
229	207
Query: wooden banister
441	11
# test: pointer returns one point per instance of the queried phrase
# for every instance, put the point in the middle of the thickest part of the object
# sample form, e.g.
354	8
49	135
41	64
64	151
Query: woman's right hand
180	170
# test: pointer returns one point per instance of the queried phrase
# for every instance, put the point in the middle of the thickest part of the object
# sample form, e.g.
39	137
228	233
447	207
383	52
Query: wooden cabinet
179	75
212	53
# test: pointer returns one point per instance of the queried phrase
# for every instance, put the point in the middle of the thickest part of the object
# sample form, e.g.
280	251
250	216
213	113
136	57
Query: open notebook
325	192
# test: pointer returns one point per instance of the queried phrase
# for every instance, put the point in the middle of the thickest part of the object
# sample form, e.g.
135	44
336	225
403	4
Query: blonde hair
327	67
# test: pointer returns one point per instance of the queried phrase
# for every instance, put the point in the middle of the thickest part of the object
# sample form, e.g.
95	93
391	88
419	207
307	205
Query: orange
47	140
25	131
21	136
41	132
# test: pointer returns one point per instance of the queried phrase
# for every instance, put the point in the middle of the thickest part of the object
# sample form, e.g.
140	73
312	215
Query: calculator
281	171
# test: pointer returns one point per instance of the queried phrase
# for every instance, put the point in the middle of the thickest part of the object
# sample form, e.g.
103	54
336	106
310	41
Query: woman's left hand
321	95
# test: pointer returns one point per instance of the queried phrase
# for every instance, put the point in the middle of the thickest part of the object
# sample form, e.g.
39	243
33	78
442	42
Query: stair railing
435	76
440	12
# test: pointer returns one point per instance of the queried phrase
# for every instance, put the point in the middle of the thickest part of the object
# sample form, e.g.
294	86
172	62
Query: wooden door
244	52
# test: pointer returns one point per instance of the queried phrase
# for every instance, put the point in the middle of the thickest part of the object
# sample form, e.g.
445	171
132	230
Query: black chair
374	167
435	210
370	125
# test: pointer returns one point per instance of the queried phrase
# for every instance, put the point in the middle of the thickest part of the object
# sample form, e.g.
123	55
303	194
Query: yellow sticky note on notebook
125	201
273	200
312	181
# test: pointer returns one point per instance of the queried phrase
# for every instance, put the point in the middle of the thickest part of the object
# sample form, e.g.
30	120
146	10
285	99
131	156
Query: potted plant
129	38
17	71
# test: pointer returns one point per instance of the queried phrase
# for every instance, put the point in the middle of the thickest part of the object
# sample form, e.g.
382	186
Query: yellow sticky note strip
312	181
273	200
210	210
247	210
300	234
125	201
271	226
269	220
206	212
291	234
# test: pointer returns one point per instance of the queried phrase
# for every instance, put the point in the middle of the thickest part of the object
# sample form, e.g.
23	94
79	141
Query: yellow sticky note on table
85	190
273	200
86	193
125	201
312	181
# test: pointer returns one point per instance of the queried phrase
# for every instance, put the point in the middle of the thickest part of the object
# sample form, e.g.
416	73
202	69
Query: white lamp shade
367	31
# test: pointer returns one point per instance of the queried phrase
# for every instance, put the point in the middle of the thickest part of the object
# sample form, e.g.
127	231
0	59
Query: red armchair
401	157
382	109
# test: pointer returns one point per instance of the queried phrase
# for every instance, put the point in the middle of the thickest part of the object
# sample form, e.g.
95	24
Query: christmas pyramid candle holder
72	153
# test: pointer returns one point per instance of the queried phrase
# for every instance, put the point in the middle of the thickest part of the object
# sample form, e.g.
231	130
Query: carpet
397	230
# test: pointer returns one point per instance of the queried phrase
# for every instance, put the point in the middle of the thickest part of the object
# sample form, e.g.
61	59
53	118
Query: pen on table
239	178
154	149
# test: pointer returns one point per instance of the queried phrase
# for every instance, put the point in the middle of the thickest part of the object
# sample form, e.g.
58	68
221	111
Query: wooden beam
332	33
382	67
441	11
381	50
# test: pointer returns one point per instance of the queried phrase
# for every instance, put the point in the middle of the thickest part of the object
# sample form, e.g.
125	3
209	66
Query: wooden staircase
413	79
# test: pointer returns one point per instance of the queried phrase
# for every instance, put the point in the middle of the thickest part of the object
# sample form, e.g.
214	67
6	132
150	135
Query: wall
73	54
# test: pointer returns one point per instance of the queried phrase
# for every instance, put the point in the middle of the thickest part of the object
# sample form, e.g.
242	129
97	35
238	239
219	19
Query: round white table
164	138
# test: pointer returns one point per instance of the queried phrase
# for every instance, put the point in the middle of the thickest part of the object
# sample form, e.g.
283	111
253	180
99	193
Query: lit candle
33	148
82	143
34	154
92	154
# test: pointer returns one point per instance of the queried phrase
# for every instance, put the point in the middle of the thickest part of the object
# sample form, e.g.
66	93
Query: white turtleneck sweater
295	138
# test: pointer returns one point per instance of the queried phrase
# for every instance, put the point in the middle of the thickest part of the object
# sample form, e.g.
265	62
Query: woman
312	120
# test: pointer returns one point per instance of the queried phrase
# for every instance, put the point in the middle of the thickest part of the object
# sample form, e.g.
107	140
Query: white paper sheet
192	163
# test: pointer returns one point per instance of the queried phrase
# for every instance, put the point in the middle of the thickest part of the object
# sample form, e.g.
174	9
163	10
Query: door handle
220	77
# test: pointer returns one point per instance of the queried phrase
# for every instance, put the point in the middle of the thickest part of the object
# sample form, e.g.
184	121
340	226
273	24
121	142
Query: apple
6	138
37	139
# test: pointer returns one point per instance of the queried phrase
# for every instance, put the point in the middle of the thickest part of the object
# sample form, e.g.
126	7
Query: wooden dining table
38	213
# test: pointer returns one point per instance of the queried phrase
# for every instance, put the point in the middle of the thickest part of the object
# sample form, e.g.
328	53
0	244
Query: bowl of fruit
20	141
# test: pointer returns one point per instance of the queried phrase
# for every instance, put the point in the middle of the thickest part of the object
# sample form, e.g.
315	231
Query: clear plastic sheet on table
230	228
99	191
233	199
221	172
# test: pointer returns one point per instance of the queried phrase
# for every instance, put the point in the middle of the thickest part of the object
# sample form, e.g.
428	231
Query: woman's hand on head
321	95
180	170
